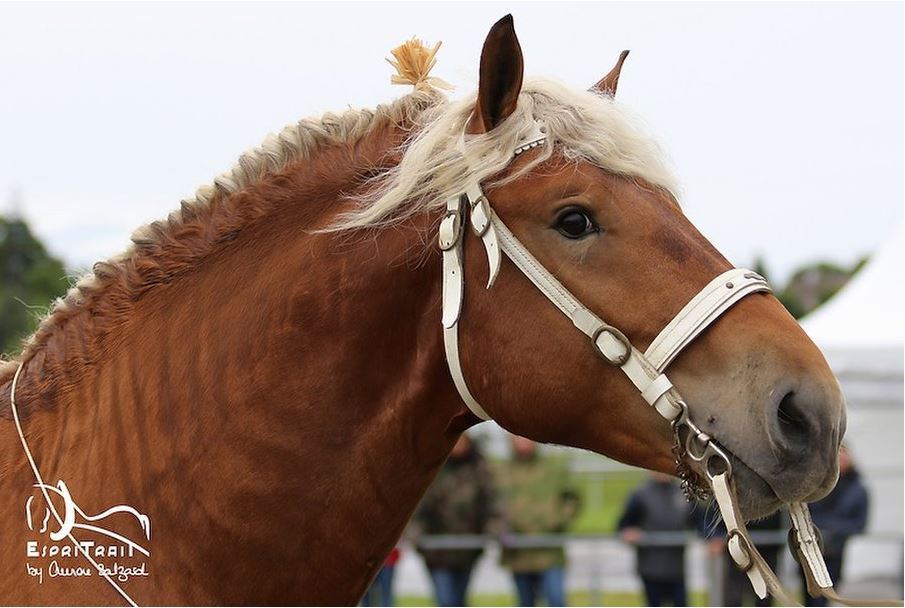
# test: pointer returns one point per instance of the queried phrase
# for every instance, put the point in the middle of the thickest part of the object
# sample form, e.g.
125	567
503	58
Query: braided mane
582	125
166	248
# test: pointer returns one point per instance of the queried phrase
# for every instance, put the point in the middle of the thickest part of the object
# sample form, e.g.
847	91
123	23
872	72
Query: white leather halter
644	370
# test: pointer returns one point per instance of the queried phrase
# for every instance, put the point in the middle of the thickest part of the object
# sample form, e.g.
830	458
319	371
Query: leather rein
645	371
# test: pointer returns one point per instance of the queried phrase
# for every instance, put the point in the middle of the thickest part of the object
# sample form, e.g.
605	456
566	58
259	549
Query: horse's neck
294	374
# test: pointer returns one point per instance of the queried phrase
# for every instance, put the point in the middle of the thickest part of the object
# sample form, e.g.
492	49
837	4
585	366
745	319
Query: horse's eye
575	224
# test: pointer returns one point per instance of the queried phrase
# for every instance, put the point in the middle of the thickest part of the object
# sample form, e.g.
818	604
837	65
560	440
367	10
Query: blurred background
784	122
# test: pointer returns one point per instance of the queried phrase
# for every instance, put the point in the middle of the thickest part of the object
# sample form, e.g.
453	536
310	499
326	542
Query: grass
576	598
603	498
603	494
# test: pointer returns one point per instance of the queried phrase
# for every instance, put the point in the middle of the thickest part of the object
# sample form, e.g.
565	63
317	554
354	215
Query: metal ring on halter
717	453
696	438
706	454
683	415
620	337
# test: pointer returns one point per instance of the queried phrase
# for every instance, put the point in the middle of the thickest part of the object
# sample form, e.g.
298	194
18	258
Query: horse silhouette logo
73	517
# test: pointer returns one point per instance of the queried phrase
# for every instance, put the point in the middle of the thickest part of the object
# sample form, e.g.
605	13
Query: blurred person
839	516
737	590
538	498
461	500
658	505
380	593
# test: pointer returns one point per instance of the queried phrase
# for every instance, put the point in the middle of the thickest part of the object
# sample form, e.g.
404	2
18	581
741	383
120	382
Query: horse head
594	203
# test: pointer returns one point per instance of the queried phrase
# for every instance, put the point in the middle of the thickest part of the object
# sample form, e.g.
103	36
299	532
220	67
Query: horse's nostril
793	423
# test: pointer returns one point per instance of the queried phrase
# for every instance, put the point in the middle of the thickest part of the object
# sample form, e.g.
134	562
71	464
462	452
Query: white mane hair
583	125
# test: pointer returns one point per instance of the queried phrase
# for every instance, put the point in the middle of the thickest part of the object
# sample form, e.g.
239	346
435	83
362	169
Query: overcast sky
784	121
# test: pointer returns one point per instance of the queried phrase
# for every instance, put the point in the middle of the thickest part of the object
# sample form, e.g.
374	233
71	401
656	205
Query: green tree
760	267
30	278
810	285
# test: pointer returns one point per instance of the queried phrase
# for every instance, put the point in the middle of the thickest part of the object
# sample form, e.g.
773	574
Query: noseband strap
717	297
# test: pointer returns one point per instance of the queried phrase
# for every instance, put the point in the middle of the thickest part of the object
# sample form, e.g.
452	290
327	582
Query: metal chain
693	486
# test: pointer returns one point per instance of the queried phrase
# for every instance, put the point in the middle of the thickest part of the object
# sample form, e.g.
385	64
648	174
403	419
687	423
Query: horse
268	374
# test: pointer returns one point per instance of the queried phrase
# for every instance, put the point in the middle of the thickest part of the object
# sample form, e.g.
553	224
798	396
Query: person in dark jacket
839	516
658	505
462	500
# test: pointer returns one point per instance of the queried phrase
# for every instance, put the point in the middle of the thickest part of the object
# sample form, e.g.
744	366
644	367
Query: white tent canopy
868	312
861	328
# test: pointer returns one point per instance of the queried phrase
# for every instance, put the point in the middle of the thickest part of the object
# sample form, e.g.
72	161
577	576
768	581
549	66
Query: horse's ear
500	80
608	83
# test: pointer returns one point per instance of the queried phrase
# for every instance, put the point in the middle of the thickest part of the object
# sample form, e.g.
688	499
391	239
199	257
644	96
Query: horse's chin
756	498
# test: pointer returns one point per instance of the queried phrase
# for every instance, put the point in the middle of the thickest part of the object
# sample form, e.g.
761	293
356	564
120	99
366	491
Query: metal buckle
744	545
620	337
450	230
483	205
794	541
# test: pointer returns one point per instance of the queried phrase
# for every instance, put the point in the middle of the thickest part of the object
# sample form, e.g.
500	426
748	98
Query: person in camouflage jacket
538	498
462	500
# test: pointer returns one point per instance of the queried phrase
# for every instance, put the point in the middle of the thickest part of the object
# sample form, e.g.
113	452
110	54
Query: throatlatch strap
451	244
451	344
831	595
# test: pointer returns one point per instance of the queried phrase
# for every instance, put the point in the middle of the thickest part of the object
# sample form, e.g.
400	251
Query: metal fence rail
596	564
761	538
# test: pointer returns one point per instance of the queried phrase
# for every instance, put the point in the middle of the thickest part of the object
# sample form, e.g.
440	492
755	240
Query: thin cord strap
43	486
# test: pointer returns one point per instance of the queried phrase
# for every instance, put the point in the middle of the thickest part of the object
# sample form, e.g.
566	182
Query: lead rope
804	541
750	558
744	554
42	485
803	538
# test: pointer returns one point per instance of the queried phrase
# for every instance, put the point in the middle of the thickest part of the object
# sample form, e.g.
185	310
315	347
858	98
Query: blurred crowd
530	495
